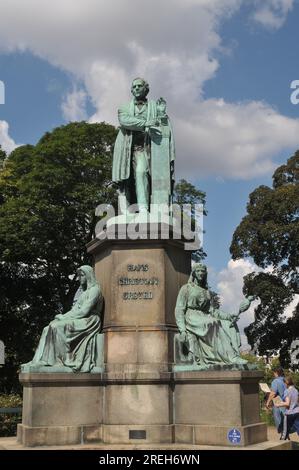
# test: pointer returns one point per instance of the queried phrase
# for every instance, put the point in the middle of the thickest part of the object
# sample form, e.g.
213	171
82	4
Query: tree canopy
269	234
48	196
187	194
2	157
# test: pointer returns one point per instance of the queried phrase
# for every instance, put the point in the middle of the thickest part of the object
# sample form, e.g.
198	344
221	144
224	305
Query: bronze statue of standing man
143	123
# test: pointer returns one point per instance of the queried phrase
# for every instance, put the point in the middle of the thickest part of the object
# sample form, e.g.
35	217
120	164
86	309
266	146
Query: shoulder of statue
94	291
184	289
125	107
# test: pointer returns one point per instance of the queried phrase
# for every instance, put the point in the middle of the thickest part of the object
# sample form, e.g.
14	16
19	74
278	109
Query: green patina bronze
144	153
209	338
72	341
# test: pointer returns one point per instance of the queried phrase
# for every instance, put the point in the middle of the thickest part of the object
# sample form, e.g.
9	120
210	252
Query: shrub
8	422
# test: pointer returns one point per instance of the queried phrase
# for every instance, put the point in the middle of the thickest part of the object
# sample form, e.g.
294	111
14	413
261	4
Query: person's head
278	371
86	276
199	274
140	88
288	381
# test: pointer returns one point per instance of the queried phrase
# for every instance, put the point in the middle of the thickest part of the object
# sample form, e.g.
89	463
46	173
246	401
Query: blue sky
261	66
232	55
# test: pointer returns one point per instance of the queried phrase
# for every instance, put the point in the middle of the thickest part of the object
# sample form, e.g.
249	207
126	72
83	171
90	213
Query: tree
2	157
48	196
269	233
187	194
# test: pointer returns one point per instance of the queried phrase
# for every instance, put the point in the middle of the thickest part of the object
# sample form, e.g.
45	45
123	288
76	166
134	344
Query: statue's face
139	89
82	278
200	273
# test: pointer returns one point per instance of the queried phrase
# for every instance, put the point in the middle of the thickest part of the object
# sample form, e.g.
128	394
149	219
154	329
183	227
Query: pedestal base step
240	436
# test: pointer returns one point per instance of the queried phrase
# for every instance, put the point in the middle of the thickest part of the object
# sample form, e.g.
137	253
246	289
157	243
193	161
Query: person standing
278	389
291	406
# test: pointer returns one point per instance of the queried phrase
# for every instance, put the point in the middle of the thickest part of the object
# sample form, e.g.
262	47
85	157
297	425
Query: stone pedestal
139	398
140	282
211	404
199	408
60	408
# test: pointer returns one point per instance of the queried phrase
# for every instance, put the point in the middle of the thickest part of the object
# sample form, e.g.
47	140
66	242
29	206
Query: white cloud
272	14
74	105
229	288
6	142
172	43
290	309
233	140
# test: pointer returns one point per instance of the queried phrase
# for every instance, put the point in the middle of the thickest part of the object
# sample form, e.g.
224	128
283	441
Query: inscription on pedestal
137	295
125	281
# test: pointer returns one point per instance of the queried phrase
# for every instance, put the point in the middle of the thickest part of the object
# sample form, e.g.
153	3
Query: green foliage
10	401
8	422
187	194
267	417
252	359
48	196
2	156
269	234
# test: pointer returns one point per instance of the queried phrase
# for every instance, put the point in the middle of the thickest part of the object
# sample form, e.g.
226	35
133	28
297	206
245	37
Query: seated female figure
210	335
70	340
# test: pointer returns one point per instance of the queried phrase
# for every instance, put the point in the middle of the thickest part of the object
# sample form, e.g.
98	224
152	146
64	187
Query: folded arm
130	122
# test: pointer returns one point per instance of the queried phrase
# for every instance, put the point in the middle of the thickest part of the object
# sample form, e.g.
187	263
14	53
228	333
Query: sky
225	68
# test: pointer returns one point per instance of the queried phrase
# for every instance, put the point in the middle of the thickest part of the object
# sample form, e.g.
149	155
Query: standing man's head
140	88
278	372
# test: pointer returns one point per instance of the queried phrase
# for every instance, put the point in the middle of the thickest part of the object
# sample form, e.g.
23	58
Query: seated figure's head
199	274
86	276
140	88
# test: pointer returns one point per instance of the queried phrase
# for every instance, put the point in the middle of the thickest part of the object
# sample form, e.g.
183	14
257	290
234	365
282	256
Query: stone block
140	404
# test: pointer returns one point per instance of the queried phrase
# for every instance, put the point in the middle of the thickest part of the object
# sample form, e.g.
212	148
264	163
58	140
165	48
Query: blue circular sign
234	436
